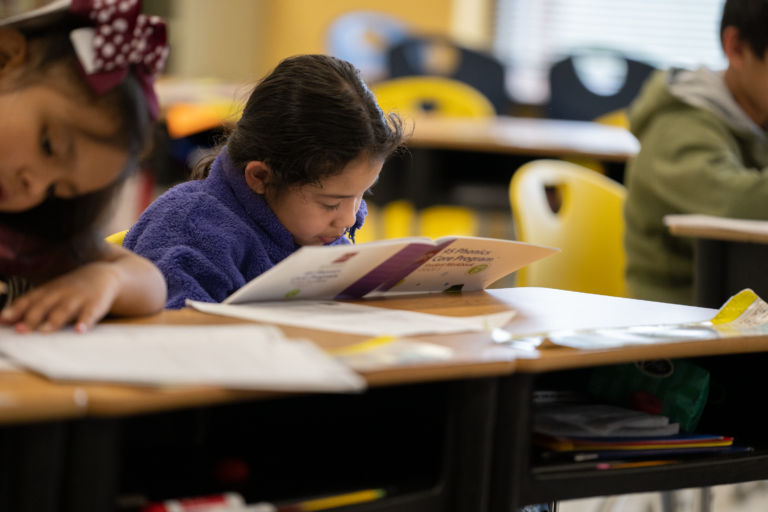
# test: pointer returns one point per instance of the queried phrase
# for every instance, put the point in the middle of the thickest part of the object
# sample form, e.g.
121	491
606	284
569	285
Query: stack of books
607	437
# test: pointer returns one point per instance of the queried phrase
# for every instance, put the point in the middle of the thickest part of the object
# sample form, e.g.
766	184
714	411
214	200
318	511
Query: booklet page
315	272
466	264
354	318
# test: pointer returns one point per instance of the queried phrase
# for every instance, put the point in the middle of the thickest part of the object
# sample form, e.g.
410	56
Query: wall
298	26
240	40
222	38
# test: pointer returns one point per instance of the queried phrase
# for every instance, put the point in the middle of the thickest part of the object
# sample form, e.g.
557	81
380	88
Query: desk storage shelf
418	442
737	409
694	473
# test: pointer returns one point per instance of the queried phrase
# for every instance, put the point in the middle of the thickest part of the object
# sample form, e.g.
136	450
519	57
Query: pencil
340	500
643	464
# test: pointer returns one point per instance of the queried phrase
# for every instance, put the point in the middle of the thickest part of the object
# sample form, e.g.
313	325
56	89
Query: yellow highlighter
340	500
363	346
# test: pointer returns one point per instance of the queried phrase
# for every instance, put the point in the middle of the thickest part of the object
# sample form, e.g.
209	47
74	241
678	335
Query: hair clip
116	37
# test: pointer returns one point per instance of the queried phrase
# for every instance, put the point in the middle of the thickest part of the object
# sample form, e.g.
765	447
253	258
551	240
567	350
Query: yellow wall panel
299	26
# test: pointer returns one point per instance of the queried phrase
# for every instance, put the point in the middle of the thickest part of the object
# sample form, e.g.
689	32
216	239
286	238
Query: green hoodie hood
702	88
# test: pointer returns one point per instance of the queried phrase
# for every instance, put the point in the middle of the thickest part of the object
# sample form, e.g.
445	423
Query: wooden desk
526	136
729	255
464	426
739	364
435	419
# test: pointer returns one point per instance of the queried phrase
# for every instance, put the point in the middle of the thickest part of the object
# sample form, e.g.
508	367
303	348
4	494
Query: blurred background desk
526	136
469	161
729	255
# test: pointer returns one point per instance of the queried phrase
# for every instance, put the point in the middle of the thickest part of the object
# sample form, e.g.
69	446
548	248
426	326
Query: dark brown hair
307	120
750	17
69	227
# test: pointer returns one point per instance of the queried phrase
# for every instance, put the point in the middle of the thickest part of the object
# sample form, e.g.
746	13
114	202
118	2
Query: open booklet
403	265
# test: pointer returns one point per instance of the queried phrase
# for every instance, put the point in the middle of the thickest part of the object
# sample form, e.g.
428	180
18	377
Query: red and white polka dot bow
120	37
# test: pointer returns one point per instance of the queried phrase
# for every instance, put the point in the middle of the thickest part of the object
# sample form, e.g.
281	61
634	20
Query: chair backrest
445	220
117	238
363	38
442	57
415	96
588	227
398	218
371	230
571	99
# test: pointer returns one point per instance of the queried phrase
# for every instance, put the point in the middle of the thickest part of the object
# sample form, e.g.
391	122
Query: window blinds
533	34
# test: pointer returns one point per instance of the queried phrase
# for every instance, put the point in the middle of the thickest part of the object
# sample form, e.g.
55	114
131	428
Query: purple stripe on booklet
396	268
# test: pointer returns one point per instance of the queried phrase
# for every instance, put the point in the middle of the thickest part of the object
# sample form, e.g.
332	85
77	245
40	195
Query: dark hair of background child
750	17
307	120
69	226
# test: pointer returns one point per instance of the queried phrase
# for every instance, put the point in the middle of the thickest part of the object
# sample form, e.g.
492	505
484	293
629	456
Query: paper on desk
6	365
232	356
745	314
710	222
354	318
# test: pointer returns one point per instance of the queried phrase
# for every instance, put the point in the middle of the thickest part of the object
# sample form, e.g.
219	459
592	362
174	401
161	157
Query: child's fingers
61	314
39	309
89	315
14	312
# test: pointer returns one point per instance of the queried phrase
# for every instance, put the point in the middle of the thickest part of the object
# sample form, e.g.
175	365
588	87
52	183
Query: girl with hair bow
77	108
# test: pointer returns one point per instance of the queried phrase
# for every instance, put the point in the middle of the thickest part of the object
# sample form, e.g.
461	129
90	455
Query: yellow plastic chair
437	221
617	118
117	238
398	218
415	96
371	229
588	227
186	119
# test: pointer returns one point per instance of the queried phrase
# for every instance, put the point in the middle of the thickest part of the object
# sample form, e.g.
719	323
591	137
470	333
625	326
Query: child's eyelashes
45	142
331	208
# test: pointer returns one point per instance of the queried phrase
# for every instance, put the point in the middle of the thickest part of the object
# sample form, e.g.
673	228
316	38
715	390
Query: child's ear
257	176
13	50
733	46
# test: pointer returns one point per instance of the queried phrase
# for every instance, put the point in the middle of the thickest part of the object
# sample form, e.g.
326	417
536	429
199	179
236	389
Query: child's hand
84	296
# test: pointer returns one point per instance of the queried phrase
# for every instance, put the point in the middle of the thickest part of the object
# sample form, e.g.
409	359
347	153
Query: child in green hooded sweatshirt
704	149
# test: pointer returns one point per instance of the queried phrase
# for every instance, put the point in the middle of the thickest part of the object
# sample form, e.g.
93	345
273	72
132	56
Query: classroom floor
749	497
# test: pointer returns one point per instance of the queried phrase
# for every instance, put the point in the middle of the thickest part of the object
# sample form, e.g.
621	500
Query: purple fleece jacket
212	236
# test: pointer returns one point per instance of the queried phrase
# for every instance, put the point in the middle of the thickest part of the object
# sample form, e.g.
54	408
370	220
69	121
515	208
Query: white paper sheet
354	318
6	365
232	356
745	314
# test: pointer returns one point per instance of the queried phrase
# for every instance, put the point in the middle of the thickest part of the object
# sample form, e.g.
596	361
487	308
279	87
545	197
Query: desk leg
709	281
512	443
30	467
424	186
668	501
474	415
92	465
